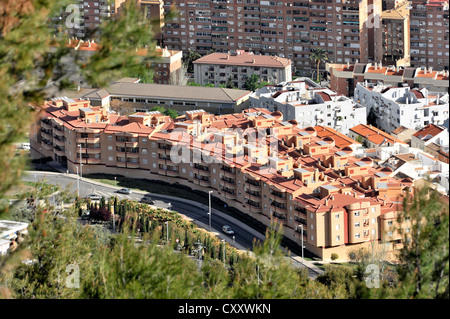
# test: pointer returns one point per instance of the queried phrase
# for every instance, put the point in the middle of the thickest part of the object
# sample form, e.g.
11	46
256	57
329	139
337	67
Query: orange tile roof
374	134
430	129
244	59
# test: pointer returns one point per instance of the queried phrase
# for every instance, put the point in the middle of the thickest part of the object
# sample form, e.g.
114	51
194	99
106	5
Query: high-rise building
429	34
289	29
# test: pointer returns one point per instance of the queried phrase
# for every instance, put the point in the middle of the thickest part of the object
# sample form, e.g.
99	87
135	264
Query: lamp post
167	232
78	183
209	195
223	241
303	259
115	181
81	164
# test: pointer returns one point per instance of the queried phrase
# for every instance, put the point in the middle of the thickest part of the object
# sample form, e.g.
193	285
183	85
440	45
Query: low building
178	97
373	137
392	106
235	67
308	104
403	133
430	134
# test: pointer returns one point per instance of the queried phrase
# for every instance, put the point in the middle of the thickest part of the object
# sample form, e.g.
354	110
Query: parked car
147	200
126	191
94	197
227	230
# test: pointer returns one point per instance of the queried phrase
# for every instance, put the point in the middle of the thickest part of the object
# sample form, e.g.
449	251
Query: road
242	236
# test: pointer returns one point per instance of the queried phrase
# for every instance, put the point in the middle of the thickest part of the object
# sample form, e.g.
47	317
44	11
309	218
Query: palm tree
318	55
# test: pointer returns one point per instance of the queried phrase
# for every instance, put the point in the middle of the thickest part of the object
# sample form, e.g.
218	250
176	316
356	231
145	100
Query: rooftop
242	58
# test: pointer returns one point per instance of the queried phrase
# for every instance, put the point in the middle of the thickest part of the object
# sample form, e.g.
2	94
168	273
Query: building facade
238	66
288	29
344	77
309	105
313	186
392	106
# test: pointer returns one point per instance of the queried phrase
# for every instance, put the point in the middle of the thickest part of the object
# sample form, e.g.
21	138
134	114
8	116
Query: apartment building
310	105
429	34
288	29
166	65
251	160
344	77
373	137
237	66
430	134
145	96
392	106
395	25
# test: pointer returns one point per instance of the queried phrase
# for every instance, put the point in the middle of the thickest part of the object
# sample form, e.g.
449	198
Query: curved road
243	237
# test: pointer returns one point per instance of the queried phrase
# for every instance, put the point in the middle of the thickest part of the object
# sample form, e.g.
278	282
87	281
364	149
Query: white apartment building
309	104
430	134
401	105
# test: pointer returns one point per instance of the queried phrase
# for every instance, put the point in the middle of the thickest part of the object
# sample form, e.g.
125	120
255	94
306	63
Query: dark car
147	200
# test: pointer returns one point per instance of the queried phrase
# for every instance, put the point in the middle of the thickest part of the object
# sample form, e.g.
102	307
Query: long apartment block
306	179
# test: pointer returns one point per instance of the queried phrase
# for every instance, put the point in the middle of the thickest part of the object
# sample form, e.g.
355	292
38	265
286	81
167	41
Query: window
357	224
312	226
357	213
110	158
390	233
110	148
337	216
109	137
373	220
338	238
144	161
390	223
144	151
337	227
357	235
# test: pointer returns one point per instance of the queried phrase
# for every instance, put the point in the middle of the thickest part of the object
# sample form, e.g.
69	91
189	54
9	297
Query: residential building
403	133
164	63
392	106
395	25
430	134
314	186
429	34
145	96
218	68
289	29
309	105
372	137
344	77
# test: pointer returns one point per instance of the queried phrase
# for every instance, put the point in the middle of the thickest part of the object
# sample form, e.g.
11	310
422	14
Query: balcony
227	184
58	142
46	135
253	187
173	173
91	140
204	183
47	146
277	209
93	150
121	164
133	155
255	209
93	160
132	165
229	174
47	126
58	130
255	198
277	198
60	152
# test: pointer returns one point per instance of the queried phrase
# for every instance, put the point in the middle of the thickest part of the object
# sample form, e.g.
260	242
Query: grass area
162	188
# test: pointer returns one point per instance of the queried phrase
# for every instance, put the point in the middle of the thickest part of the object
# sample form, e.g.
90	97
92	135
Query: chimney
89	43
253	60
425	71
431	69
348	64
326	201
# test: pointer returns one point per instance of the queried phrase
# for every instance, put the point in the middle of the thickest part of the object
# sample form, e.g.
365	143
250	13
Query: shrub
334	256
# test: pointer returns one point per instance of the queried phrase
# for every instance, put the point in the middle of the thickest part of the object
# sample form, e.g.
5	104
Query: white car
227	230
126	191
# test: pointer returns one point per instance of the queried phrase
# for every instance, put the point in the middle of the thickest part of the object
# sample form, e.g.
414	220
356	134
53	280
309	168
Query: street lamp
303	259
78	183
115	181
167	232
223	241
209	195
81	164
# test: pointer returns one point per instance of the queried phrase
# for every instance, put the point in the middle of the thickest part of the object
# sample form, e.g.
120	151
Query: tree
180	76
145	76
251	83
424	270
189	58
28	64
318	55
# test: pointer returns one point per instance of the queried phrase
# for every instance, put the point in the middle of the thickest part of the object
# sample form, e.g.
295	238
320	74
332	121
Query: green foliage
170	112
253	83
189	58
334	256
318	55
